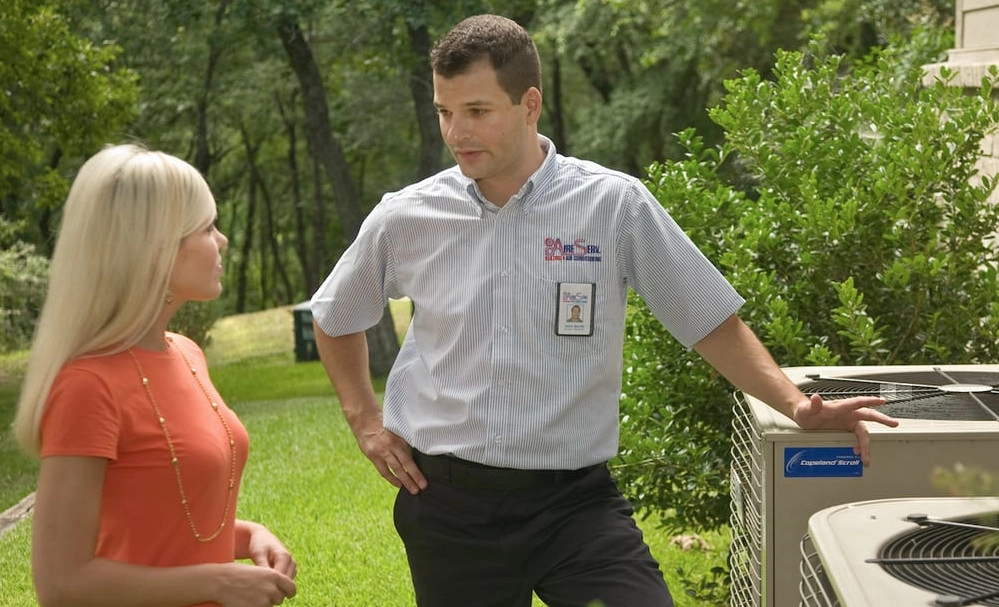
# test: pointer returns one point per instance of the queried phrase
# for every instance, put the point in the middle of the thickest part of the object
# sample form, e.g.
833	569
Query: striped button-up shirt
490	369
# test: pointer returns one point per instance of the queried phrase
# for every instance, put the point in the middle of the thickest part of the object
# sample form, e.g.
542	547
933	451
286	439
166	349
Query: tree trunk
324	147
559	135
202	154
322	143
318	219
383	345
310	270
268	229
245	250
421	87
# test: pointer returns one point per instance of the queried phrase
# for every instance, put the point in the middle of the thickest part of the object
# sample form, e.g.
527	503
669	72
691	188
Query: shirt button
498	439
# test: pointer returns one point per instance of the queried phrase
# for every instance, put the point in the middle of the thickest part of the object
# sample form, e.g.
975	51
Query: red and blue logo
575	250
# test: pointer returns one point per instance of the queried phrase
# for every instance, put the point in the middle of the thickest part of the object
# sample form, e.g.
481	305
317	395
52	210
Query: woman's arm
67	574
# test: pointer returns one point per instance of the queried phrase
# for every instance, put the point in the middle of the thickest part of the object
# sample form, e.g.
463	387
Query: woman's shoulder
93	364
187	346
182	341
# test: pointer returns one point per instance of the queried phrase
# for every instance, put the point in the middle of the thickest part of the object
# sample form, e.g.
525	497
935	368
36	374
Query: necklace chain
174	461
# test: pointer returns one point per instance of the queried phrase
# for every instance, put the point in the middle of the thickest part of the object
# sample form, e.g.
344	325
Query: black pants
572	544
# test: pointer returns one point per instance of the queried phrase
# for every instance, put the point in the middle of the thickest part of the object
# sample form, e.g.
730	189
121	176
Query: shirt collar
541	176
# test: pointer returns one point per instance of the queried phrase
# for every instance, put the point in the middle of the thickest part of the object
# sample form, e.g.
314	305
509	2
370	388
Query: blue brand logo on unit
821	462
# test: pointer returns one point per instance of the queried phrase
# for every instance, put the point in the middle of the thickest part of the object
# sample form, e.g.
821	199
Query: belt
471	475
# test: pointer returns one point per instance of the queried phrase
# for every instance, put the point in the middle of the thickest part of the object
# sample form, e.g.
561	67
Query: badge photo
575	308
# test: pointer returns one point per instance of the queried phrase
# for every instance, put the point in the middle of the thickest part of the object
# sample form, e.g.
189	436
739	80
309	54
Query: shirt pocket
540	313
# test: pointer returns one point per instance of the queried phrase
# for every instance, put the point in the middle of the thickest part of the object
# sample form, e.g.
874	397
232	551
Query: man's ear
532	101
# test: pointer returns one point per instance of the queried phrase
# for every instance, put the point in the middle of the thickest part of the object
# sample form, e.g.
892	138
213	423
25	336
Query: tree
63	98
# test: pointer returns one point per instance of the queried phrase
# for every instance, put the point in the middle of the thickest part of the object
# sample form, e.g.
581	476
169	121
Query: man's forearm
735	352
345	359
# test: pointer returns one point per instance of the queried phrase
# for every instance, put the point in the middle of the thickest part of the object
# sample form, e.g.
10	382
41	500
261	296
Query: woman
140	459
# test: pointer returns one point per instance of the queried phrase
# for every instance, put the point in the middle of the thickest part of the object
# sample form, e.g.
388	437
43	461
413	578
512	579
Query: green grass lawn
307	480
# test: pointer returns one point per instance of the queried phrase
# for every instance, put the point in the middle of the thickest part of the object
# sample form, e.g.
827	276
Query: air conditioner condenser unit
904	551
781	475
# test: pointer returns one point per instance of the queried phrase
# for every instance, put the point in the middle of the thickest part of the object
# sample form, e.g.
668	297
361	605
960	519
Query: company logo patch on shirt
575	250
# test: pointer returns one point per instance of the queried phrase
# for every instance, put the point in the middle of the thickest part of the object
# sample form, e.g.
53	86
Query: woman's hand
244	585
257	543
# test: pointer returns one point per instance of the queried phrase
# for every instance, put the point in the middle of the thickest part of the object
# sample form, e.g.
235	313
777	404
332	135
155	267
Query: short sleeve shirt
491	369
97	407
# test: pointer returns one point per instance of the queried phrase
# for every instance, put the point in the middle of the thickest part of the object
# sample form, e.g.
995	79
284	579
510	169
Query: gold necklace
175	462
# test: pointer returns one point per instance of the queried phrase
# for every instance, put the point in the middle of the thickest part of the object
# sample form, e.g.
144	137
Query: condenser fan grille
931	394
957	559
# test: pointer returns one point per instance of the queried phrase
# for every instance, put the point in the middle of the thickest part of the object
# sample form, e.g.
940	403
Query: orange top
98	408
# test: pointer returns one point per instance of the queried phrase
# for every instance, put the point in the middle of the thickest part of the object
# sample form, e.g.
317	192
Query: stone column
976	48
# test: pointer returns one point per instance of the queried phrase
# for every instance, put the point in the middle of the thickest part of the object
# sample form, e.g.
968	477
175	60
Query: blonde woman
140	459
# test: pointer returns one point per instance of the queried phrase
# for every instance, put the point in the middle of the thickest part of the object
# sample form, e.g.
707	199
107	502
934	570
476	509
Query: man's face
488	135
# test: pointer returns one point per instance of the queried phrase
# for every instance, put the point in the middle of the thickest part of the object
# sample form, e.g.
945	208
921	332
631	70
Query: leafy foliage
195	320
961	480
865	238
854	26
708	588
23	276
674	431
211	83
23	279
63	98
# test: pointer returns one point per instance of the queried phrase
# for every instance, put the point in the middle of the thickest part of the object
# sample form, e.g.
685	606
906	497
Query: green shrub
23	279
195	319
864	237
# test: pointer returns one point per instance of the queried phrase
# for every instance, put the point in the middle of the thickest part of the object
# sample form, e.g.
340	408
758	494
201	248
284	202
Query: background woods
302	113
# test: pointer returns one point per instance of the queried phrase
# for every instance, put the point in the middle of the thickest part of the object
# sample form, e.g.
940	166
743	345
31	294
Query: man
500	415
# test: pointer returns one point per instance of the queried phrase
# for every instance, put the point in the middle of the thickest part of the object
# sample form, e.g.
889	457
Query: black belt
471	475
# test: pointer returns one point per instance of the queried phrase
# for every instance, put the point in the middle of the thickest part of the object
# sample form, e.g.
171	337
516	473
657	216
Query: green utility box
305	338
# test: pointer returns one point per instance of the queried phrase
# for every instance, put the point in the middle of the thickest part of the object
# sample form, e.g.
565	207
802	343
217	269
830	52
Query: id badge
575	308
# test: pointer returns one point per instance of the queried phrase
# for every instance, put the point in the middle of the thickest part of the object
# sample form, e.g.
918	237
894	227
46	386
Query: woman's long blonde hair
126	214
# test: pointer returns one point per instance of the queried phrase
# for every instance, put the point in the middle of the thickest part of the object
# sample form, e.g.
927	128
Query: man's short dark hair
508	47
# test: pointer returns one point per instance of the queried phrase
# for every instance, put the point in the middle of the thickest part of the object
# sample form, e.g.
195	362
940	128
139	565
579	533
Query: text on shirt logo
577	250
